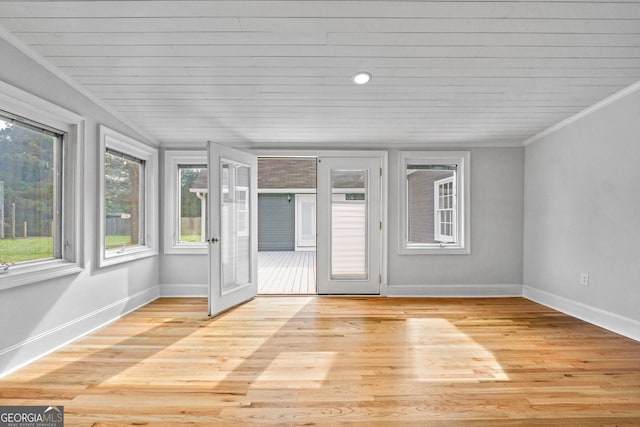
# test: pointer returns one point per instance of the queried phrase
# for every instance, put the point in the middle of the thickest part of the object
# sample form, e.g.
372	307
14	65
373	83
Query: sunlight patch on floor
159	370
440	352
224	353
293	369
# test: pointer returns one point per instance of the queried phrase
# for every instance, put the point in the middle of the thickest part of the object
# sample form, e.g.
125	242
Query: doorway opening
350	203
287	225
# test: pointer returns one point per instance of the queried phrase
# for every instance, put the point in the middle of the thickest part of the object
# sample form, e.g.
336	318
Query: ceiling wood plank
426	38
324	9
342	51
624	24
198	83
354	63
496	72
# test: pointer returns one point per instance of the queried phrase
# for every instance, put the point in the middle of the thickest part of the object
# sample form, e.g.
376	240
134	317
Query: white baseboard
625	326
478	291
23	353
186	291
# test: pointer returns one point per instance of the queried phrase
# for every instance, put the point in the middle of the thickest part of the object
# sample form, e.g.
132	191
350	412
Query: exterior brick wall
286	172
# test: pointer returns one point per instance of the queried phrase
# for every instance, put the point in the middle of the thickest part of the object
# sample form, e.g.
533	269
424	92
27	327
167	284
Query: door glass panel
234	223
349	224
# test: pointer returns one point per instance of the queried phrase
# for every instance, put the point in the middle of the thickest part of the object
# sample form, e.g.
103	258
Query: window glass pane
235	241
349	224
193	193
28	218
124	189
430	206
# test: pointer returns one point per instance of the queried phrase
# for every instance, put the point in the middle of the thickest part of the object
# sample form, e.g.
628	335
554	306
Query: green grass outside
38	248
116	241
29	249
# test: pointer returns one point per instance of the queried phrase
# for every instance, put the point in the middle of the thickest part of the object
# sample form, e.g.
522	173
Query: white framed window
128	197
40	189
434	202
185	204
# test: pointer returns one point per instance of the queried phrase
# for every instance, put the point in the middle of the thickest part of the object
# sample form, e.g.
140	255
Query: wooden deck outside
361	362
287	272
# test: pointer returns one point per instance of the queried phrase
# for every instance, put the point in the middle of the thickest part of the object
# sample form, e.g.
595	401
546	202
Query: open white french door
233	227
349	225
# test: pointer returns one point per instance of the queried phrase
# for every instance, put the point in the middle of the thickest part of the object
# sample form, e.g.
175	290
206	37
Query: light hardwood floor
331	361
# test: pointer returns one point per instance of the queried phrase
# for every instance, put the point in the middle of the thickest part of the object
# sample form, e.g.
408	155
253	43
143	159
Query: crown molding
582	114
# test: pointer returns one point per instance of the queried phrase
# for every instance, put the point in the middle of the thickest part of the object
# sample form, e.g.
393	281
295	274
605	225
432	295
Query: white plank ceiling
278	73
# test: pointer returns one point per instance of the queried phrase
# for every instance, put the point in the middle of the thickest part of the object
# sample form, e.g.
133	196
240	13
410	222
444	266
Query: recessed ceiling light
361	78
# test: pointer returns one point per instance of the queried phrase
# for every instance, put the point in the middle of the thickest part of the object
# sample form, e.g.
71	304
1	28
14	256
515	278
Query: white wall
582	214
184	275
39	317
494	266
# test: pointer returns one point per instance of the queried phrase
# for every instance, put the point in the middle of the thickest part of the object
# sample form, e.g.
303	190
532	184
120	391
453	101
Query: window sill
435	250
37	272
187	249
133	254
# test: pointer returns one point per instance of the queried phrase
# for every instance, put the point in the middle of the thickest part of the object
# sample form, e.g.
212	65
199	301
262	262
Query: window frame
437	209
462	190
33	109
172	161
113	140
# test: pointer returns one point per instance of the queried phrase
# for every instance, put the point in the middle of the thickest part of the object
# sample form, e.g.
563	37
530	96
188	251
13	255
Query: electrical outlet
584	279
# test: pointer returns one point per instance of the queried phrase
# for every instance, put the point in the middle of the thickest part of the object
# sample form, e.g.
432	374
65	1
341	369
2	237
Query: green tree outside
27	169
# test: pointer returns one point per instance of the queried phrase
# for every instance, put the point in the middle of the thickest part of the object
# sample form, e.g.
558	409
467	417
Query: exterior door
305	222
233	225
349	227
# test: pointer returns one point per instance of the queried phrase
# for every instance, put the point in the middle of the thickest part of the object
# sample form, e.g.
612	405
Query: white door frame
384	161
